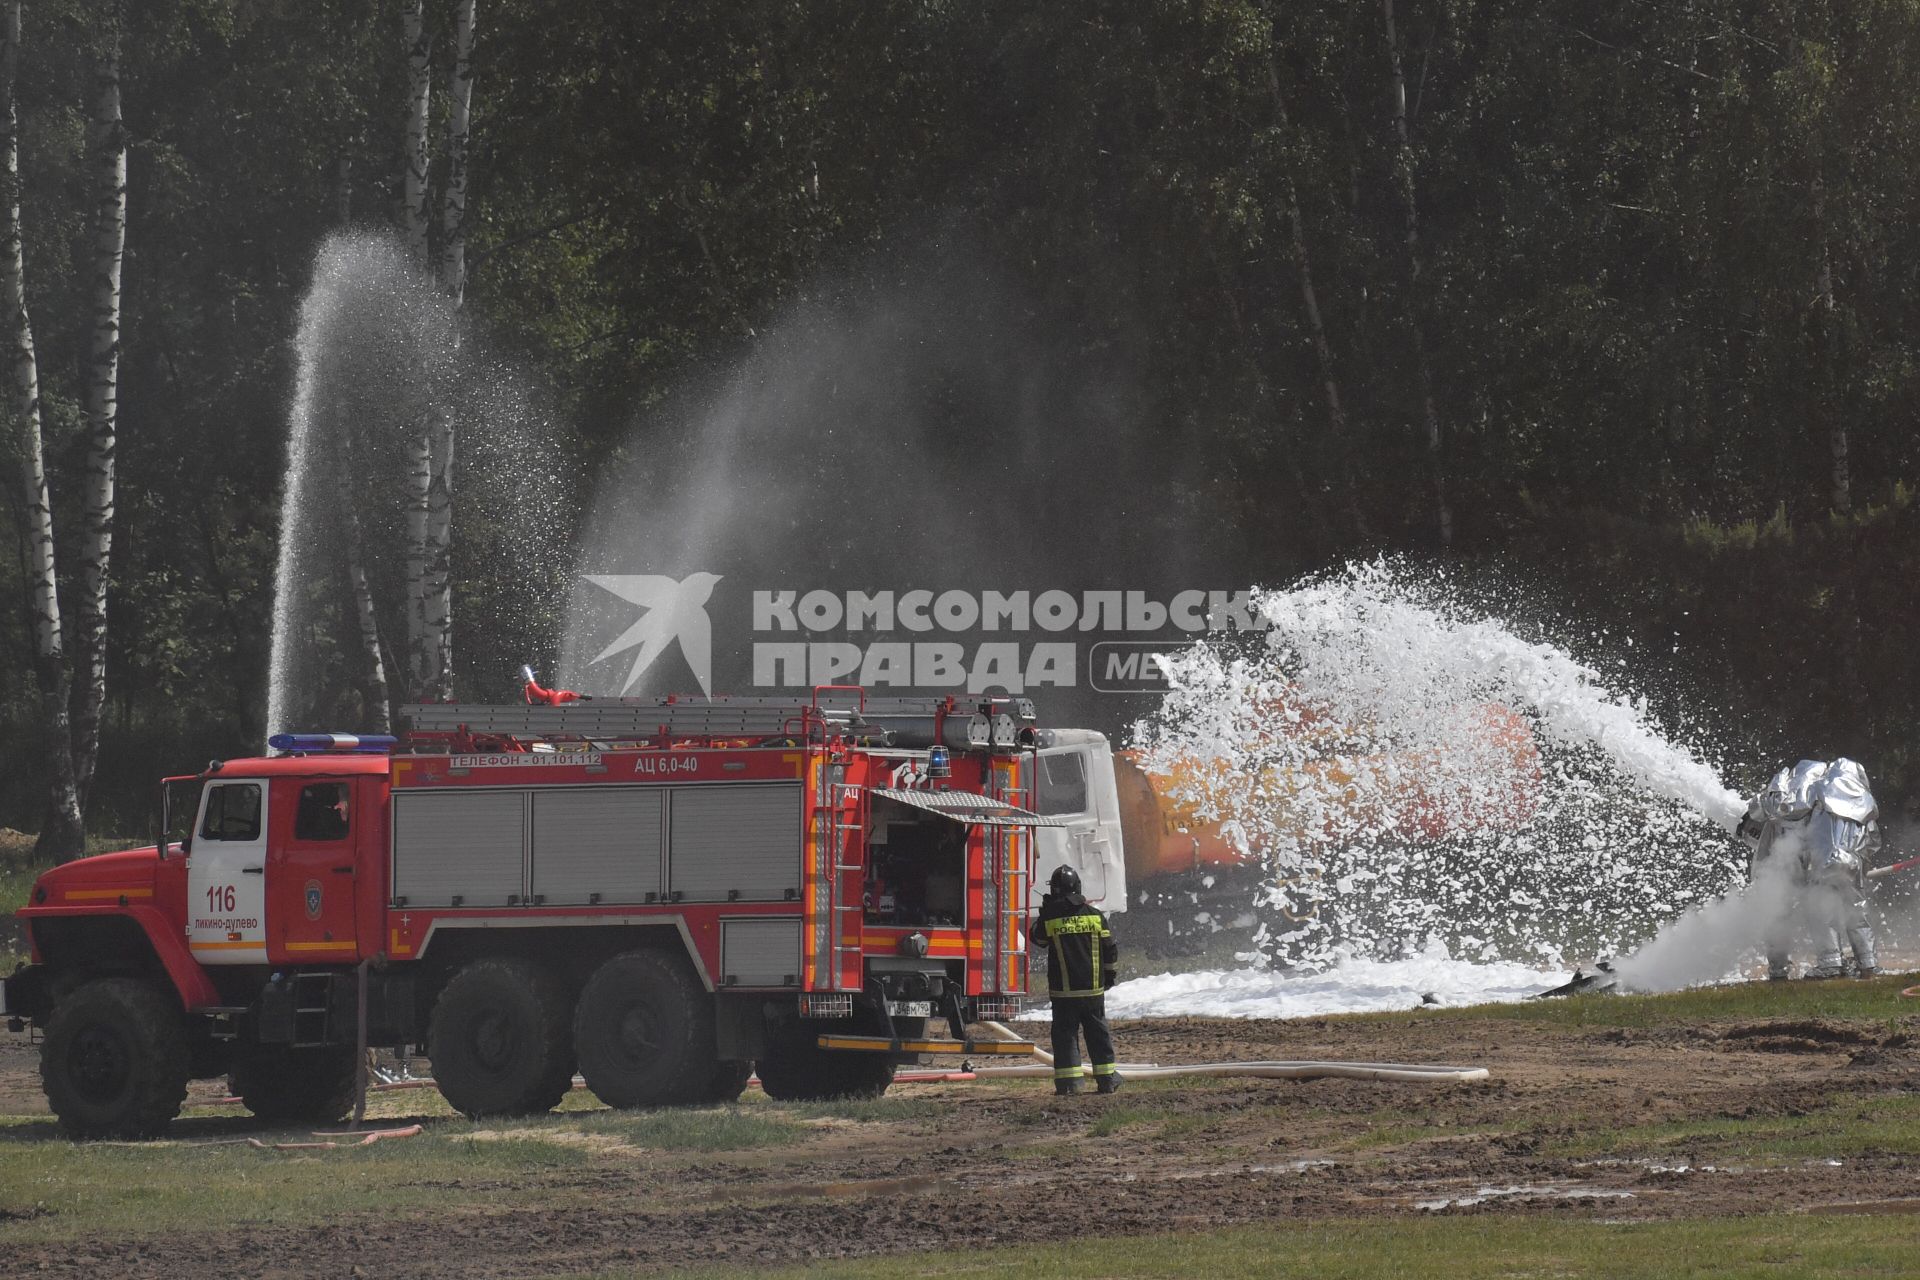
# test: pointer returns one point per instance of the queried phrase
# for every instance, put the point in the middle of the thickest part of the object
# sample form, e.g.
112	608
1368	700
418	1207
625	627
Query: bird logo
676	610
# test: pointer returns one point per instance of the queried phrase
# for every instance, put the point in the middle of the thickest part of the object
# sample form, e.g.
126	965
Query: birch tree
62	834
108	147
415	201
359	588
415	208
428	498
1410	209
453	213
366	615
437	603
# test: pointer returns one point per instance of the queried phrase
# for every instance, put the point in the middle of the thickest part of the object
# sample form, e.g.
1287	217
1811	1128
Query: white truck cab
1076	783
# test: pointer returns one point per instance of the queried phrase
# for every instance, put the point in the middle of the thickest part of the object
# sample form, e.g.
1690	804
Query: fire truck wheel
644	1032
499	1040
798	1070
296	1086
115	1060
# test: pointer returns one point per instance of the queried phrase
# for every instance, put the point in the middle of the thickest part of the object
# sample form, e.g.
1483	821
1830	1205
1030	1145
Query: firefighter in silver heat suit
1775	829
1813	829
1842	835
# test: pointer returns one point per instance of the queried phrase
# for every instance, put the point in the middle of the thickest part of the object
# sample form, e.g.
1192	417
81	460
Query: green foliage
1625	211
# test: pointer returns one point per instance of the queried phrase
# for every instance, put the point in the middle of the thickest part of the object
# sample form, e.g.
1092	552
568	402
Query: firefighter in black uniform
1081	957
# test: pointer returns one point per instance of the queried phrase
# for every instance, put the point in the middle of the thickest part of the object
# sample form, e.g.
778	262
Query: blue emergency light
939	763
367	742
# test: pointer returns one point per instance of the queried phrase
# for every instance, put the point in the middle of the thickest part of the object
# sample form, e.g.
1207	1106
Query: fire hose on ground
1391	1072
1398	1072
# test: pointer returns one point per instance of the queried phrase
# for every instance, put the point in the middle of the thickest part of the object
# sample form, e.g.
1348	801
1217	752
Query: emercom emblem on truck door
226	874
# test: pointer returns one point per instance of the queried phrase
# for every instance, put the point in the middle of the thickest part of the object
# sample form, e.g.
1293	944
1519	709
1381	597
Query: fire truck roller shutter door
760	953
598	840
737	839
459	842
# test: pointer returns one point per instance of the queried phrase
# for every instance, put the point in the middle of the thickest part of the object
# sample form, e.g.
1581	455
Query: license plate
910	1008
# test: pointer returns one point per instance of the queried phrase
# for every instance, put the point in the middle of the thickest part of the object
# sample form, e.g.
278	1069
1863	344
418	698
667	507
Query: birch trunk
453	211
415	216
62	834
419	482
1403	165
378	691
102	412
416	209
437	603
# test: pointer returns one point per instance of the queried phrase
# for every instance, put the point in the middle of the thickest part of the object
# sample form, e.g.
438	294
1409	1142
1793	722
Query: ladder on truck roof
955	722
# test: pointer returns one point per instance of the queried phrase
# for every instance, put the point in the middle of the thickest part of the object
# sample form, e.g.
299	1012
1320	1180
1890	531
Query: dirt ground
1008	1162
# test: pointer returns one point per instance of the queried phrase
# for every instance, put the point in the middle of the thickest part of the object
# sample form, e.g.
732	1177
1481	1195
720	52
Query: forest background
1617	297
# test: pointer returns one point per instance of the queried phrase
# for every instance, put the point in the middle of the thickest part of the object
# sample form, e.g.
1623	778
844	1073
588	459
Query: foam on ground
1353	984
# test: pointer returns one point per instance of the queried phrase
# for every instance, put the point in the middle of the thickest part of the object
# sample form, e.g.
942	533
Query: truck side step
967	1047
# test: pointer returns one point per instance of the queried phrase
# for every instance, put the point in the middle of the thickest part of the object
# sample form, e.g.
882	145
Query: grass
1166	1124
1486	1247
54	1189
58	1190
868	1110
1877	999
1883	1125
728	1129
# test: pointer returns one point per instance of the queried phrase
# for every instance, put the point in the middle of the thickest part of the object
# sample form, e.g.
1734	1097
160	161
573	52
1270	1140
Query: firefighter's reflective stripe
1089	935
1071	1073
1105	1068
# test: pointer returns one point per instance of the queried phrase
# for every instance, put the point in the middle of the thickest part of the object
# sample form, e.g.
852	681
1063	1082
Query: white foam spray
378	346
1360	692
1713	941
369	325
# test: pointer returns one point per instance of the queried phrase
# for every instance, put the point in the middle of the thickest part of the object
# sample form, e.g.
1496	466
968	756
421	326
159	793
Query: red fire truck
662	894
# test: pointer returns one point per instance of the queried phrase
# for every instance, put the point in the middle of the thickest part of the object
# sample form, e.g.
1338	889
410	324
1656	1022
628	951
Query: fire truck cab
1074	782
661	894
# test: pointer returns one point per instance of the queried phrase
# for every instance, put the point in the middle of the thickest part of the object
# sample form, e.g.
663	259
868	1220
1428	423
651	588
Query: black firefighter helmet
1065	881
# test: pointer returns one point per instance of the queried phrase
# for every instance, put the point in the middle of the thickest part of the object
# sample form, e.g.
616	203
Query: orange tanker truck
1152	826
1486	777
